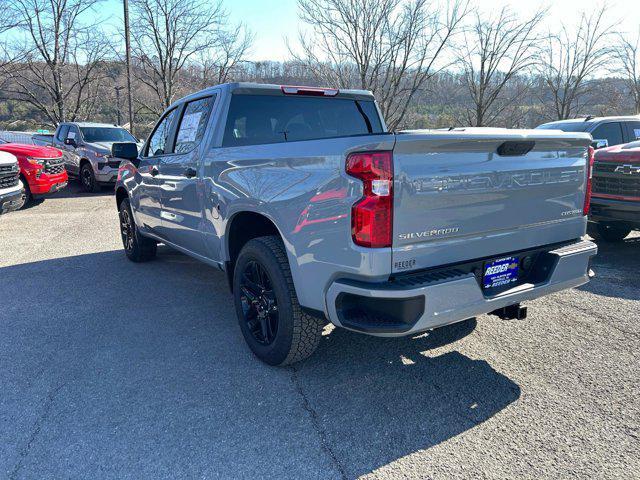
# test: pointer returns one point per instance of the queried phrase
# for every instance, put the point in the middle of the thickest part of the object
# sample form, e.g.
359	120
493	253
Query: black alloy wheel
274	325
259	304
137	247
88	179
25	195
126	229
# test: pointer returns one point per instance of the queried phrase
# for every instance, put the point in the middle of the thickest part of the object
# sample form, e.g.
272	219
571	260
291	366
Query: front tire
88	180
26	197
137	247
606	232
272	322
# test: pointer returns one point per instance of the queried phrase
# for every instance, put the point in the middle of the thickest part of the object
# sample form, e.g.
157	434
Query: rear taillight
372	215
587	193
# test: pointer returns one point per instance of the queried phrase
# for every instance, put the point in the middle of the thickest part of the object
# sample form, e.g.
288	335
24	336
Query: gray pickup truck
86	148
317	212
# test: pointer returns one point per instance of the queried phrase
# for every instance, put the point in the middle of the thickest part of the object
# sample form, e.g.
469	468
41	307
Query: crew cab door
180	179
72	157
58	142
147	193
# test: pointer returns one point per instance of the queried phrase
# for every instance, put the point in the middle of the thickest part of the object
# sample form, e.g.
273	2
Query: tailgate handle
515	149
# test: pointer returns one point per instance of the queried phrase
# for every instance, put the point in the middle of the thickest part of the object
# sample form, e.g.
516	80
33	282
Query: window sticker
189	128
636	132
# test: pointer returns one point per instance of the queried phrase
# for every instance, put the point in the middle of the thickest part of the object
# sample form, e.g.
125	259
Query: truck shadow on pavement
73	189
119	368
376	400
616	267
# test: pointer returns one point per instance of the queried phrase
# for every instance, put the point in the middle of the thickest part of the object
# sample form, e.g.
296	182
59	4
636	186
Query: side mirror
125	150
600	143
70	141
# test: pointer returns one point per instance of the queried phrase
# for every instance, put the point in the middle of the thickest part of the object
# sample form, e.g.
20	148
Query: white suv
10	188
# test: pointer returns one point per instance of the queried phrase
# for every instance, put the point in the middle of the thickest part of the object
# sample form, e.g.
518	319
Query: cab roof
248	88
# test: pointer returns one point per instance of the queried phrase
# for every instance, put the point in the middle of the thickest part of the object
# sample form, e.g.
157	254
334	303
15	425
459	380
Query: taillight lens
372	215
587	195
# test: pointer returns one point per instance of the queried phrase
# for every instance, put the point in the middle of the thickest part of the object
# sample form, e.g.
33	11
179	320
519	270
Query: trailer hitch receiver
512	312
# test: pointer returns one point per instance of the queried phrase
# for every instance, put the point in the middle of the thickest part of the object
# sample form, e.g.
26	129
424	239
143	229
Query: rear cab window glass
159	140
611	132
193	124
262	119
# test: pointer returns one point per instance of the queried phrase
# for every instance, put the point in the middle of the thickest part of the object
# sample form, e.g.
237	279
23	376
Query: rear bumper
10	201
614	210
448	299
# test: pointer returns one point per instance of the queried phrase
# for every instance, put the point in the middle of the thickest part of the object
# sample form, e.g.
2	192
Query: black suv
606	131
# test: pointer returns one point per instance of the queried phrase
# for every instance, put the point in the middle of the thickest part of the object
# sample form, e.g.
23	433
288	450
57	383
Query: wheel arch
242	227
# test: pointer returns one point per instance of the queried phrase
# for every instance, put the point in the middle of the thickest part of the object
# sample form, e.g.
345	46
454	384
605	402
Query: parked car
615	204
316	211
606	131
10	191
86	149
42	170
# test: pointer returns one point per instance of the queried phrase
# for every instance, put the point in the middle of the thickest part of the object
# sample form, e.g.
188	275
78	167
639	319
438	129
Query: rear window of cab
263	119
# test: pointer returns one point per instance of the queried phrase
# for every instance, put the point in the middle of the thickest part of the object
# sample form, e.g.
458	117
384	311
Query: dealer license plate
500	273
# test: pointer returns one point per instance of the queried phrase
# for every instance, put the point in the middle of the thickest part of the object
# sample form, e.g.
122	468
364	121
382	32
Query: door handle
190	172
154	171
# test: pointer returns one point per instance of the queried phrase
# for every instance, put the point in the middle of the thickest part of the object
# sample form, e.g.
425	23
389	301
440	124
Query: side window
159	141
193	124
73	133
62	133
634	131
612	132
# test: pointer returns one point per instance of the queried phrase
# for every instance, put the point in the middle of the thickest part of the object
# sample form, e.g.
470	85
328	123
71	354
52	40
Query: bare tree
170	35
387	46
496	50
60	57
217	65
8	21
627	55
571	58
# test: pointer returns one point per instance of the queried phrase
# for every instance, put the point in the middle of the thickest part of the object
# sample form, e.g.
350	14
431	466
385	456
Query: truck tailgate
456	198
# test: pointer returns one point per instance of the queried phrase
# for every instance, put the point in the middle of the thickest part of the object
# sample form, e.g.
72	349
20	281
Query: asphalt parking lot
110	369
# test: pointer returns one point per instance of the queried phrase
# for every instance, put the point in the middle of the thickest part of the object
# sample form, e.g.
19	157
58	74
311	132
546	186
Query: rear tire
272	322
137	247
606	232
87	179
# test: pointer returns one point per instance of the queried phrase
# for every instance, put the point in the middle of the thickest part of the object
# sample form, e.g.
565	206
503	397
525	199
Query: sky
274	20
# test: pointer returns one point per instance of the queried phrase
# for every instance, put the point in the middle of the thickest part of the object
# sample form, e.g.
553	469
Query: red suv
41	169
